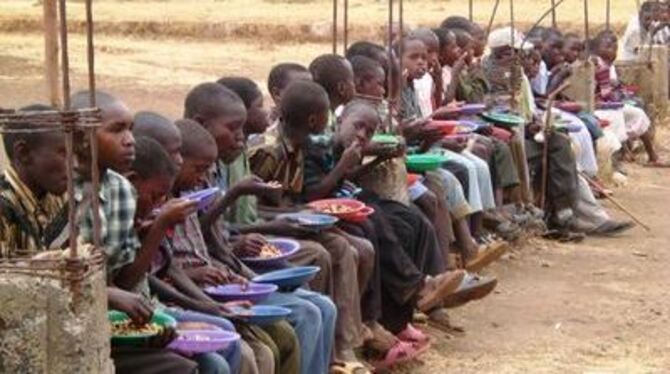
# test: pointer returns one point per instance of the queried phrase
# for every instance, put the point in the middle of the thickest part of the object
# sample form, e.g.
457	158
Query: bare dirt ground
602	306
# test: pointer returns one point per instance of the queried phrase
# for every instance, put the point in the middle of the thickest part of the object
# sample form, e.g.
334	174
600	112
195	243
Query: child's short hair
328	70
364	48
195	138
152	160
462	36
444	36
355	105
456	22
152	125
364	67
302	99
279	75
82	99
32	139
209	100
649	6
426	35
245	88
403	42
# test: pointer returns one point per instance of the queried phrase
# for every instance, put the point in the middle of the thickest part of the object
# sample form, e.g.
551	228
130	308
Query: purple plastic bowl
610	105
287	247
193	341
472	109
203	197
254	292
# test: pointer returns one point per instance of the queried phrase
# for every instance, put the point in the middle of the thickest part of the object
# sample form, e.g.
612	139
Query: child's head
162	130
431	41
221	112
414	55
450	52
369	50
604	45
304	111
282	75
536	36
574	47
478	40
334	74
153	174
531	59
37	157
465	42
369	76
552	52
116	144
648	13
251	95
663	12
358	122
199	151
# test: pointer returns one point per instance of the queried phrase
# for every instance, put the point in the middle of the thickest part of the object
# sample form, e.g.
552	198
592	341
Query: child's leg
211	363
314	254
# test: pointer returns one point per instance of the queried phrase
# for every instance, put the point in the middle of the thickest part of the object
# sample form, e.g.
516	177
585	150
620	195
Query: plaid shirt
186	244
280	162
118	203
27	223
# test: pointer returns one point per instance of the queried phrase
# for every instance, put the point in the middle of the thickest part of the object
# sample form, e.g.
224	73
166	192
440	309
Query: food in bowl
338	209
129	328
269	251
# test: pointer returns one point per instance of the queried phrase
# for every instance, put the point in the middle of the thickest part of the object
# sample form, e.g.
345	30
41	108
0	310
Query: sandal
473	287
487	256
413	335
401	352
439	319
350	367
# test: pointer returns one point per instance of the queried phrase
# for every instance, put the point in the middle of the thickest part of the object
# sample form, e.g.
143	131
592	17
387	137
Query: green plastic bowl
503	119
158	318
385	139
424	162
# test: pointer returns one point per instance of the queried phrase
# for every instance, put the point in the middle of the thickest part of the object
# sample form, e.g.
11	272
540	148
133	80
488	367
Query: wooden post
50	15
346	26
334	26
608	10
470	10
553	13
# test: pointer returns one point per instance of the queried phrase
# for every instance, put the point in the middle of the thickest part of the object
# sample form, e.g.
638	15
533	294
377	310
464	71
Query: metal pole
389	69
470	10
493	17
587	34
334	26
401	49
346	26
92	138
608	10
553	13
50	14
515	60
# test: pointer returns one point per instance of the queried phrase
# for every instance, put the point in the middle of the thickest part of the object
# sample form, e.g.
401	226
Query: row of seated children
421	250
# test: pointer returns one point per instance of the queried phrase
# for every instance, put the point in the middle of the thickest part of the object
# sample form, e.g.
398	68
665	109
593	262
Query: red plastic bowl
361	216
570	106
354	206
412	178
446	127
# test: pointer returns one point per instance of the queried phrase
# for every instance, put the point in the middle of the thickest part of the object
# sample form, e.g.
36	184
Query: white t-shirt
423	88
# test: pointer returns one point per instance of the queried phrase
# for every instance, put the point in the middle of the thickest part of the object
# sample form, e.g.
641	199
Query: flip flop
413	335
474	287
484	258
401	352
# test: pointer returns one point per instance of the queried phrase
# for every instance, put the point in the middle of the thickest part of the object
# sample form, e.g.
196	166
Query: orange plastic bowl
446	127
325	207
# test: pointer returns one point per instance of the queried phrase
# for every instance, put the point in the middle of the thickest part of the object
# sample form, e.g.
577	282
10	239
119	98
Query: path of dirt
599	307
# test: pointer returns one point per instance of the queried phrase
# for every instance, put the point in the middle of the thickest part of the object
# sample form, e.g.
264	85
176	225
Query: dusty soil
602	306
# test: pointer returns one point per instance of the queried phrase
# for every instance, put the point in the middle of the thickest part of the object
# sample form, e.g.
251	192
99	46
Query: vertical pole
69	167
587	34
93	140
346	26
470	10
50	14
389	69
401	49
515	60
493	17
553	13
608	10
334	26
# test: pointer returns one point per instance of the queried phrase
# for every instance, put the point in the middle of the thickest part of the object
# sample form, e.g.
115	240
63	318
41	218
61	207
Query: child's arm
137	307
351	158
173	212
450	93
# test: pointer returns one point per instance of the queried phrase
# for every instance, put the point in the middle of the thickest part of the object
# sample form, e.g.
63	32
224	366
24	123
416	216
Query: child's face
553	53
291	77
646	18
531	64
415	59
116	144
607	49
573	49
372	84
478	41
152	192
228	132
359	126
45	163
467	45
503	55
318	122
257	118
193	173
451	52
433	52
663	12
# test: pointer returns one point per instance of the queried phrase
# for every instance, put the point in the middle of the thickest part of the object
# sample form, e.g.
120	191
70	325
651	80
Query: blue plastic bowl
254	292
287	247
261	314
203	197
310	220
289	279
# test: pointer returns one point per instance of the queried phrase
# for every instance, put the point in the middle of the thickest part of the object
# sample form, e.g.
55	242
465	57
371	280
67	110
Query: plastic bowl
354	206
424	162
570	106
203	197
289	279
446	127
361	216
413	178
254	292
202	341
310	220
503	119
385	139
609	105
287	247
261	314
472	109
158	318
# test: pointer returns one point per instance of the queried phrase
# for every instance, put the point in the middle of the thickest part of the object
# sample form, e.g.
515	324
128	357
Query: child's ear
22	153
275	94
341	88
